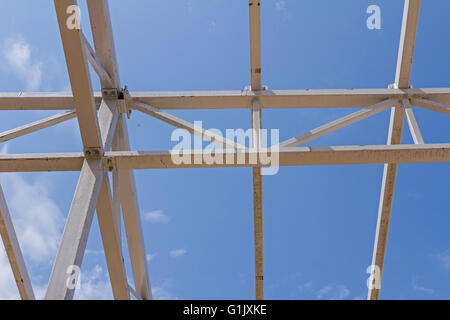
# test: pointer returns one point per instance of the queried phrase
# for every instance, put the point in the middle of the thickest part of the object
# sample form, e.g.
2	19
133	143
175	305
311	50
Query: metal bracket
395	86
123	102
93	153
109	164
110	93
249	88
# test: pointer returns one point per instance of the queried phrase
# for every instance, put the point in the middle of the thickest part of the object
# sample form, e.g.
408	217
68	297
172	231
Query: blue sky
319	222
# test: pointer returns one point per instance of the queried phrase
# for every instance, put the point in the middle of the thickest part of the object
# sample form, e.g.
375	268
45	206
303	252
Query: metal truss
102	118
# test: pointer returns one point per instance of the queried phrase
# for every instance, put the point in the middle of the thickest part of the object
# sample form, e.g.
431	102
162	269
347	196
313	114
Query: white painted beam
258	205
431	105
96	64
132	219
255	44
237	99
407	43
13	251
36	126
386	198
108	116
133	294
40	100
107	221
300	156
338	124
412	122
105	48
47	162
79	76
279	99
104	39
96	137
73	242
106	213
402	80
188	126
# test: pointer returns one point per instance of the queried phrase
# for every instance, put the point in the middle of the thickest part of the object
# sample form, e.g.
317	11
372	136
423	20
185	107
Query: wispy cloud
444	259
8	289
419	288
94	285
190	8
94	252
178	253
212	26
157	216
280	7
163	291
151	256
17	53
333	292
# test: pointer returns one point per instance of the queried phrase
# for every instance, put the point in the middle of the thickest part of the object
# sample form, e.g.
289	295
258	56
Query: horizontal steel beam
237	99
304	156
41	162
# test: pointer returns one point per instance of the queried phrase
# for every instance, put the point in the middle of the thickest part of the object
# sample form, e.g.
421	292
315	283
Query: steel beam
337	124
407	43
186	125
96	64
132	219
258	205
431	105
402	80
300	156
80	80
73	242
255	44
412	123
105	49
36	126
237	99
112	245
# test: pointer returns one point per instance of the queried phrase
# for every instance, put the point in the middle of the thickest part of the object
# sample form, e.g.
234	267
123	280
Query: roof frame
106	145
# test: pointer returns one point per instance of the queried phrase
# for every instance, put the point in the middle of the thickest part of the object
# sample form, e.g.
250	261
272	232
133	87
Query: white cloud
333	292
37	219
444	259
8	288
94	285
212	26
94	252
189	6
163	291
178	253
280	6
418	288
151	256
157	216
17	53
